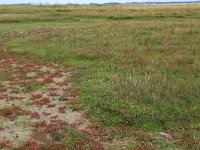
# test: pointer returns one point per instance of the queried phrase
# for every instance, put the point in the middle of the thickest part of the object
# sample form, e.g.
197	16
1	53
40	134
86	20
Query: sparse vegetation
137	65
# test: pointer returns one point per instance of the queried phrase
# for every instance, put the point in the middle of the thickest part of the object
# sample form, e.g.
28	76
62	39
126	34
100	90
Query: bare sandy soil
34	102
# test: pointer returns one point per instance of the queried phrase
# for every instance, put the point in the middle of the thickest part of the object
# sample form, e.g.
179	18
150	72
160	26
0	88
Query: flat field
137	68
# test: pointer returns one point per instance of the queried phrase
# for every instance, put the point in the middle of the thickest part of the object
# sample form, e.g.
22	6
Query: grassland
138	66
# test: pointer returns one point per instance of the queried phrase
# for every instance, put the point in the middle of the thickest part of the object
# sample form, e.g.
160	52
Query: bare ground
35	101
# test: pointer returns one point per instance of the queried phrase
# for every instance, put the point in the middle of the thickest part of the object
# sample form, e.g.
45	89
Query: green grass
70	137
73	139
138	65
35	87
4	76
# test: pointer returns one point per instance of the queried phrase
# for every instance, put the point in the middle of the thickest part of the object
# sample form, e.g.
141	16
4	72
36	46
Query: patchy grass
71	138
35	87
4	76
138	65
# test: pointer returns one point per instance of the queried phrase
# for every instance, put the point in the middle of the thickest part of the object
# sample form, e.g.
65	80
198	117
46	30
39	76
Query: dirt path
35	102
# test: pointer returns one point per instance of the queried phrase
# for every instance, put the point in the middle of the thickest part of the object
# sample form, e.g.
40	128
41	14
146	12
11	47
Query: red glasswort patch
63	83
51	105
3	96
34	114
39	136
31	145
5	144
29	66
56	146
122	126
72	93
46	114
43	101
96	144
62	109
36	96
75	124
12	112
53	94
40	124
48	80
61	123
49	128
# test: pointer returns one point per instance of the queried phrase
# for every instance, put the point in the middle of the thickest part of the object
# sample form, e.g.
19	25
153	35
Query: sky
75	1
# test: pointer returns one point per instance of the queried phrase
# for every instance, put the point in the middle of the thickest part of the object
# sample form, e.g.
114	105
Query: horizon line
113	2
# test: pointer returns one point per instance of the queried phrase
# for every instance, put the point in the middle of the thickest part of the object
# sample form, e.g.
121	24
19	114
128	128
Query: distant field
138	66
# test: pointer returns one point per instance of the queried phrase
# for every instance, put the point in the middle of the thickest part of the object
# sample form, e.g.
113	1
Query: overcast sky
75	1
